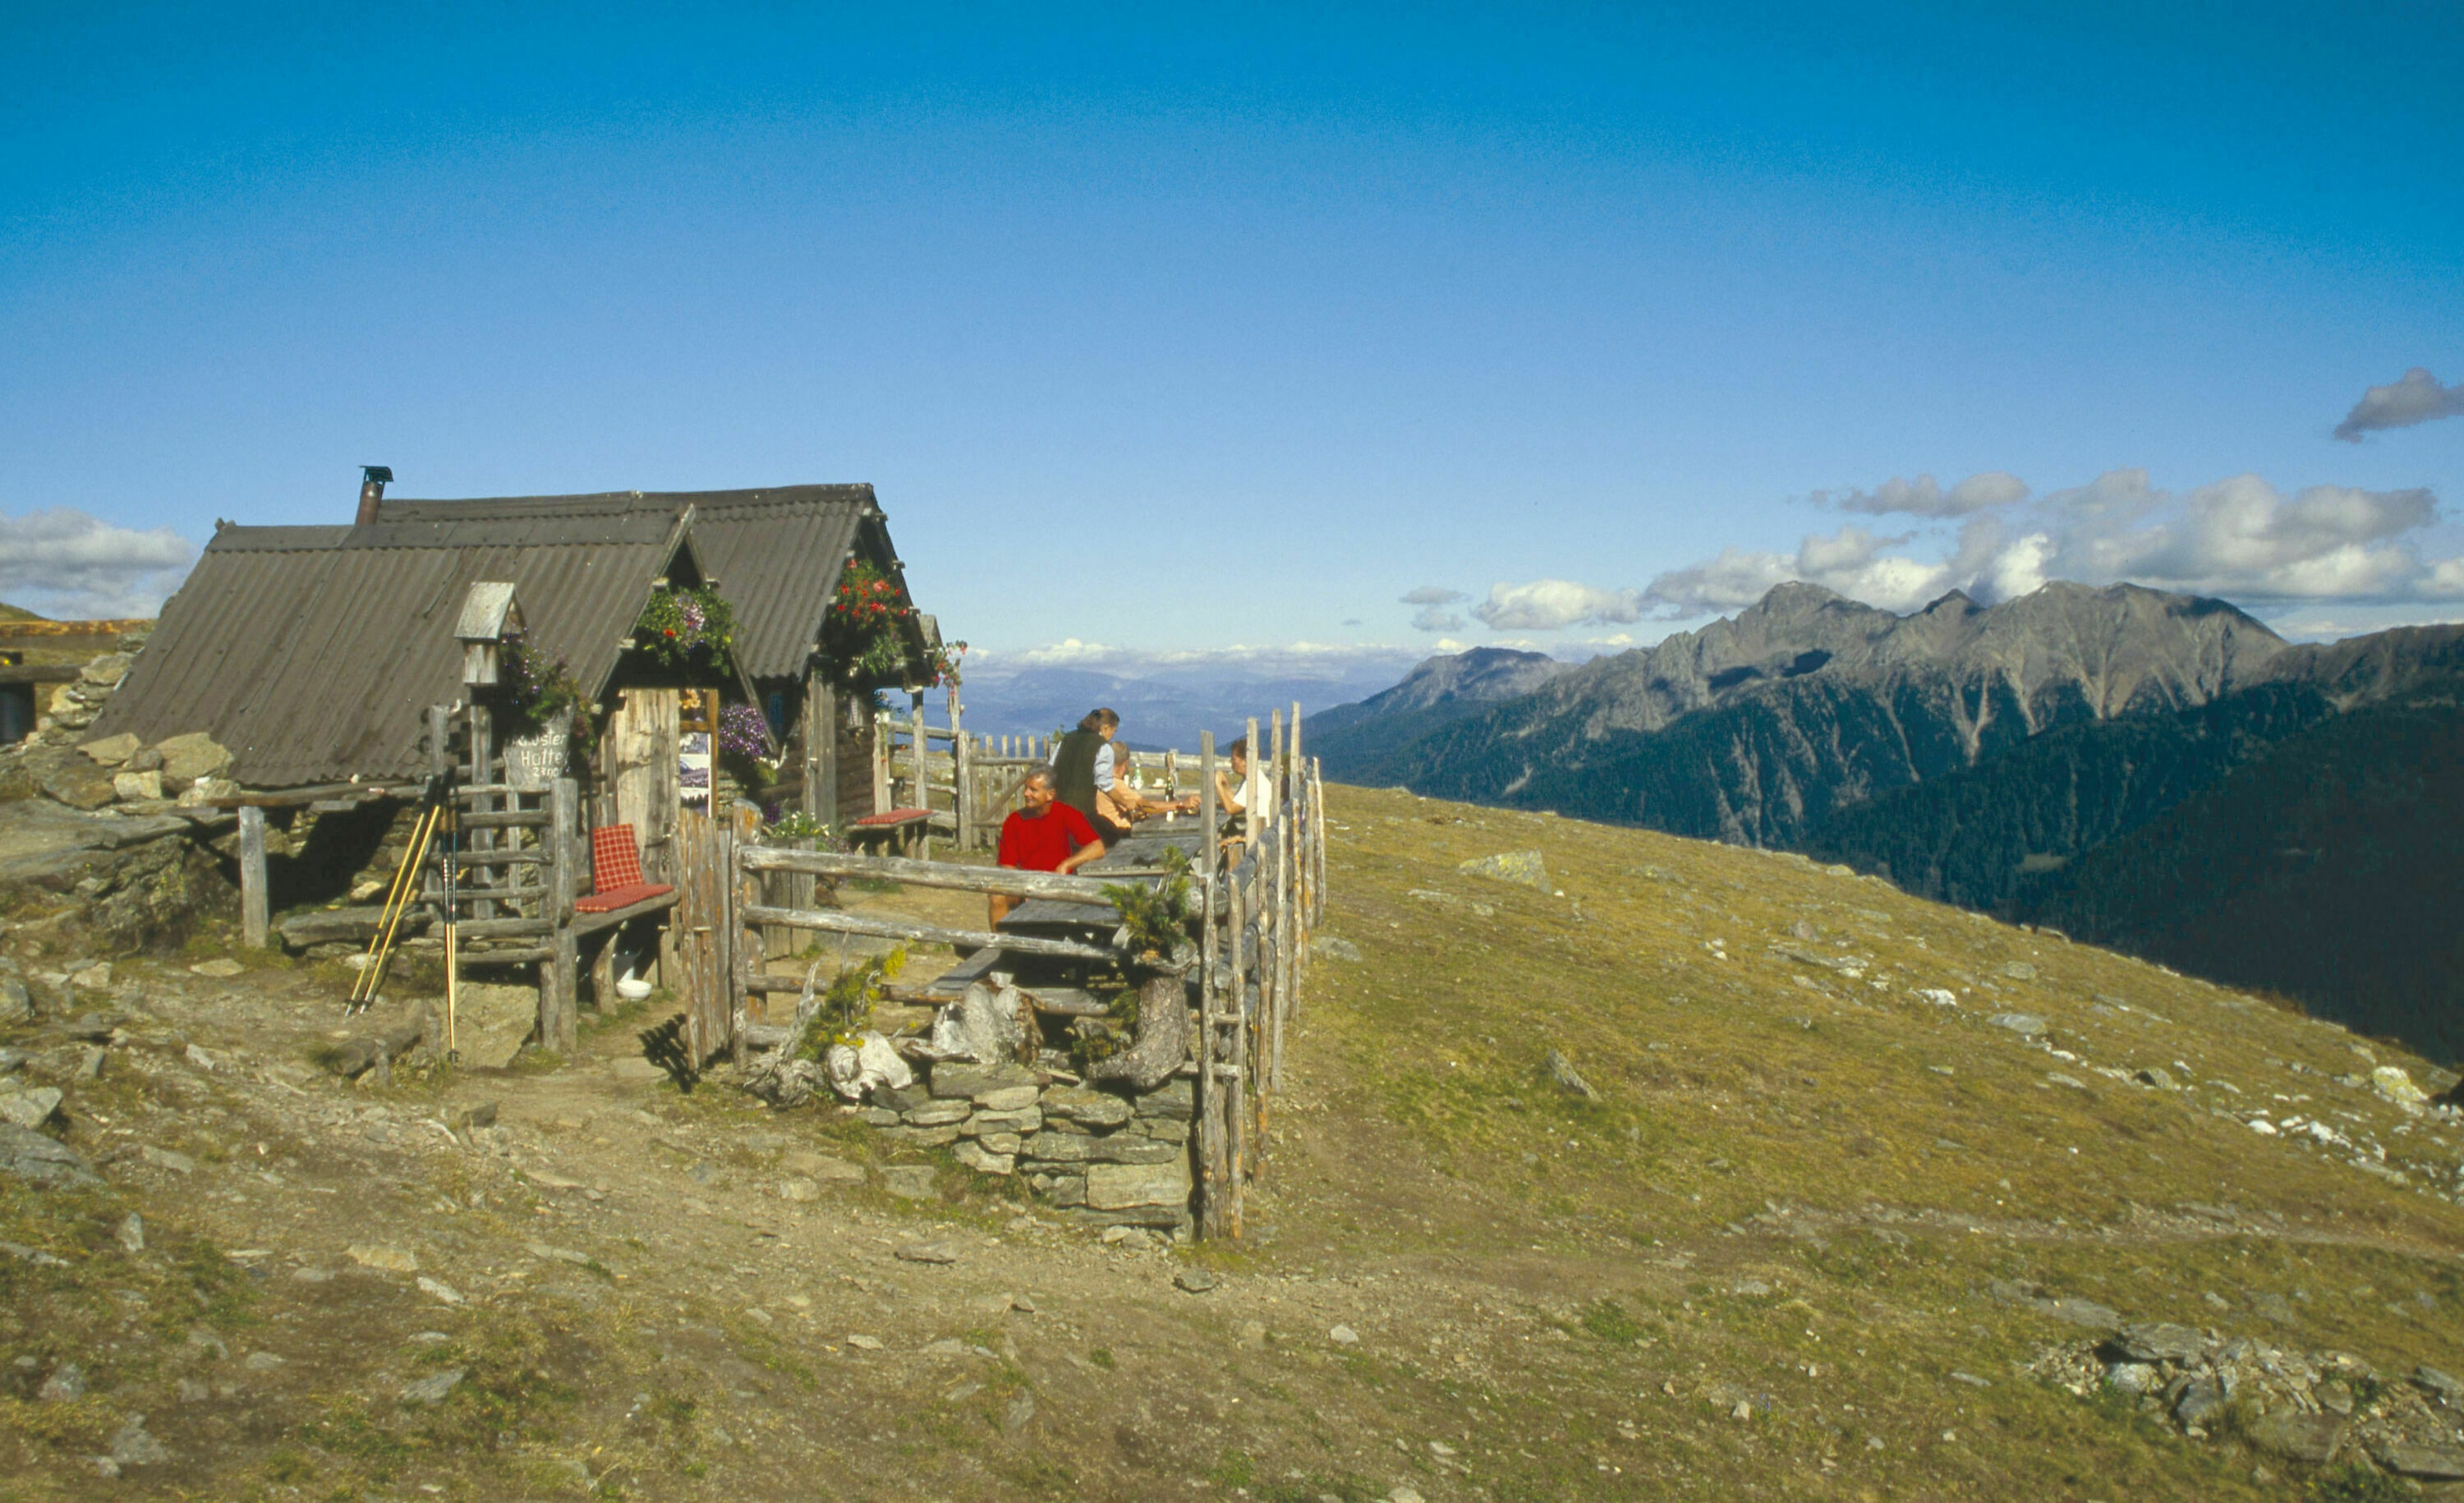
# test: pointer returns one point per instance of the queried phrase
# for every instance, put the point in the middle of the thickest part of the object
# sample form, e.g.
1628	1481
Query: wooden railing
969	783
1259	898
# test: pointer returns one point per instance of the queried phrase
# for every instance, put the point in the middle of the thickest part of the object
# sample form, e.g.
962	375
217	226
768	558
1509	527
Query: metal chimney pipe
372	484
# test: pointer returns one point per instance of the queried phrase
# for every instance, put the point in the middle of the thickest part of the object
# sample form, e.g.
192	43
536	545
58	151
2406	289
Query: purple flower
743	730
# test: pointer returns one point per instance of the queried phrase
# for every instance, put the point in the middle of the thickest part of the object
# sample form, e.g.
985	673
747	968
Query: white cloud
1925	496
1435	618
2416	398
2240	538
1433	595
63	563
1550	605
1850	561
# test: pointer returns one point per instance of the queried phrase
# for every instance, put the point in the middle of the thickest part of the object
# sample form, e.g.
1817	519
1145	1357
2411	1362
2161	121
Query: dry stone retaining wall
1110	1156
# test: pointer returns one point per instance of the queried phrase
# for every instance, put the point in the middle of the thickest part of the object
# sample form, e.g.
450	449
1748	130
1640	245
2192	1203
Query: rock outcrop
107	834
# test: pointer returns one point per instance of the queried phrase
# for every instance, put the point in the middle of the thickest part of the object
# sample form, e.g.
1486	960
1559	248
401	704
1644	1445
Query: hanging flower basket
682	624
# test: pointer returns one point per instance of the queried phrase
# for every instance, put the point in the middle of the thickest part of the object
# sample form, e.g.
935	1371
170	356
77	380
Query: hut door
642	769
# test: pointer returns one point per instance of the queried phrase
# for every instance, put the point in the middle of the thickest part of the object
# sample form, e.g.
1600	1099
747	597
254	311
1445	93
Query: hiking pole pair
398	901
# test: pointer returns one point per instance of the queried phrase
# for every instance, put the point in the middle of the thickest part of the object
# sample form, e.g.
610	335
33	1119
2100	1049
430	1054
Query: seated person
1043	836
1089	764
1119	805
1082	770
1244	790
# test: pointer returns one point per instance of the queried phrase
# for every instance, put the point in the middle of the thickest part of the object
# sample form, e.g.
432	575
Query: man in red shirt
1043	836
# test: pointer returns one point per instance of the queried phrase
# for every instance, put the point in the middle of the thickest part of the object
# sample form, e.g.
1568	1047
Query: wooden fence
1258	899
969	782
520	862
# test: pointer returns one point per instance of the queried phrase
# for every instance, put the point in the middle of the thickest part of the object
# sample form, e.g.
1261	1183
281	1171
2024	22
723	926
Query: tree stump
1162	1043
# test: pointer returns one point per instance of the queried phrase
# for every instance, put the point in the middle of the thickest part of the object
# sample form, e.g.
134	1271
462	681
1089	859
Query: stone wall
103	842
1111	1157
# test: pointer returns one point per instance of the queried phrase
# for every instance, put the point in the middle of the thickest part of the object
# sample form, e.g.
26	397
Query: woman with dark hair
1082	767
1091	762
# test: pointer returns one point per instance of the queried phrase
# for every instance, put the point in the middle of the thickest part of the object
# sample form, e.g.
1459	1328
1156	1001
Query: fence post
1279	916
1317	847
1211	1178
1247	992
253	916
881	762
821	750
560	979
1296	906
745	948
961	800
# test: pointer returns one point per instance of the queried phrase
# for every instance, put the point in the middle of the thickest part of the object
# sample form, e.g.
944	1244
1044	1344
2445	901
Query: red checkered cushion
615	858
616	872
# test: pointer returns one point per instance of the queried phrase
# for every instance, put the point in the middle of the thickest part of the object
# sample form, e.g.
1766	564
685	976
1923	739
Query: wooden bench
900	831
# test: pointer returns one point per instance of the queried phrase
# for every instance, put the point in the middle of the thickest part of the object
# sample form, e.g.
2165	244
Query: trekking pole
405	880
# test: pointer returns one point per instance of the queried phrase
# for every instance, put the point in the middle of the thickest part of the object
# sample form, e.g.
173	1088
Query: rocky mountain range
1995	756
1438	693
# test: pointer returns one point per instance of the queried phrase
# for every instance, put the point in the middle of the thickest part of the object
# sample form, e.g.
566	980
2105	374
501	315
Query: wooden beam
561	987
291	798
252	909
943	875
835	922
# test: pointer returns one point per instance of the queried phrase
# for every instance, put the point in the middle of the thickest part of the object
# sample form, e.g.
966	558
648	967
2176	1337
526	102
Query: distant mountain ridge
1753	729
1969	753
1157	708
1439	692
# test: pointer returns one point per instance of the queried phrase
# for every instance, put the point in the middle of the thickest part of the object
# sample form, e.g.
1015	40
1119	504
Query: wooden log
1162	1044
881	802
505	819
535	954
1317	847
1211	1177
253	899
835	922
823	802
1289	892
962	807
560	986
502	928
923	794
745	949
40	672
479	797
944	874
329	926
1236	1113
471	860
357	793
1278	788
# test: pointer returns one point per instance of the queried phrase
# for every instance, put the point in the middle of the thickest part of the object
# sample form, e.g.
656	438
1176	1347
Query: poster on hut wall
696	717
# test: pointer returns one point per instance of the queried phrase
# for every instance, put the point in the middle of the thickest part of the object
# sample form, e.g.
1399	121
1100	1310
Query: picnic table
1049	919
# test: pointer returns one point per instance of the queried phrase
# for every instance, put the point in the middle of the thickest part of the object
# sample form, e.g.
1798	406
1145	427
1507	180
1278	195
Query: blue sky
1223	335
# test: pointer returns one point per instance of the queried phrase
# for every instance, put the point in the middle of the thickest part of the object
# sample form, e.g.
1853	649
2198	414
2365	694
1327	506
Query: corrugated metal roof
314	653
776	553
